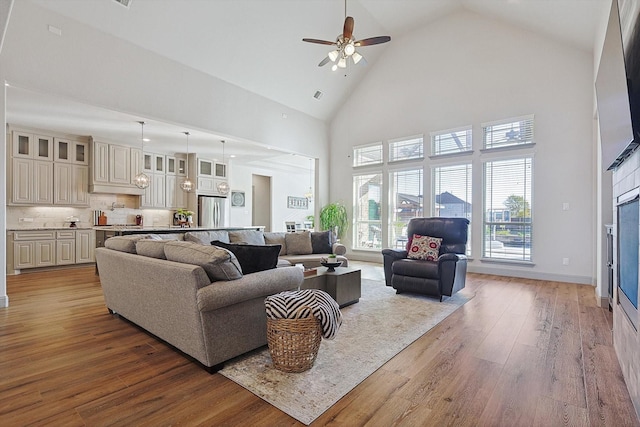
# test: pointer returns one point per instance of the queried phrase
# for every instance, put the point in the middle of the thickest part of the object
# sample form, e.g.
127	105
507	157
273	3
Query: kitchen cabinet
181	168
220	170
31	182
159	164
136	163
112	169
65	247
70	151
205	168
159	190
70	184
171	165
32	146
85	246
47	248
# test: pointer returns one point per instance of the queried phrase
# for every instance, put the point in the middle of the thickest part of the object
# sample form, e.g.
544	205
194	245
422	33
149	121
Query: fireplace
628	244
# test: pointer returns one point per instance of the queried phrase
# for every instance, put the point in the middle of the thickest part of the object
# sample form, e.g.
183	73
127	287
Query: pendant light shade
141	180
223	186
187	184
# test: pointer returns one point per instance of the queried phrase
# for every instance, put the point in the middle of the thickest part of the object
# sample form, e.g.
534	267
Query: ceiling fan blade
372	40
348	28
319	41
324	61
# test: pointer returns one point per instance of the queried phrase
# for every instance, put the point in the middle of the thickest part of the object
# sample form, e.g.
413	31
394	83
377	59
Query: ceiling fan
346	46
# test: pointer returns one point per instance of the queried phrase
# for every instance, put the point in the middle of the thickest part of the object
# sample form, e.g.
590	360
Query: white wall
284	183
466	70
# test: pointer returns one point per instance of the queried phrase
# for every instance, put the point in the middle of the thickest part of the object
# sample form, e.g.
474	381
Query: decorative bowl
331	265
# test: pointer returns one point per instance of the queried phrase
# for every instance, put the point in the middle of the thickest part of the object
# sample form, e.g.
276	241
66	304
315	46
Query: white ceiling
257	45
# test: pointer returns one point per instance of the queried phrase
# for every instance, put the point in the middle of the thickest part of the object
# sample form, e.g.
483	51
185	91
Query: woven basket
293	343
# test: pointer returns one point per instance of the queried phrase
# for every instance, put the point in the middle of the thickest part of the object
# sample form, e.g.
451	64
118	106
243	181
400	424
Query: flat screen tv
618	84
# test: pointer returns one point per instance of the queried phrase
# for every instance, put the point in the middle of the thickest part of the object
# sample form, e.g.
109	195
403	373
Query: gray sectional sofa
193	296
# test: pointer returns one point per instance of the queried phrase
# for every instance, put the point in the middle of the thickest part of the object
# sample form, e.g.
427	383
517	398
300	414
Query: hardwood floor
521	353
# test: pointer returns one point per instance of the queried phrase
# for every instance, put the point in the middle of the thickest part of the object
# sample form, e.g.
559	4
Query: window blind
405	202
452	141
370	154
451	193
406	149
508	133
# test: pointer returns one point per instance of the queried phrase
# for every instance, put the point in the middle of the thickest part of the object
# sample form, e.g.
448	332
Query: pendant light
187	184
309	194
223	186
141	180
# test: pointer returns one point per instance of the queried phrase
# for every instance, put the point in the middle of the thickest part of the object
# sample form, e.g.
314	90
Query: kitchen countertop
129	227
32	228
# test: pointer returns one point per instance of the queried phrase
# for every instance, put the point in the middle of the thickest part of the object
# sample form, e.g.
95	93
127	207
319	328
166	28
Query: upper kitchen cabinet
70	151
32	146
112	168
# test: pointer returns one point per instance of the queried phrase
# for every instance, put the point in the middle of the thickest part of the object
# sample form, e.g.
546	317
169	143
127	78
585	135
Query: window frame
356	221
469	137
355	155
392	142
391	218
517	146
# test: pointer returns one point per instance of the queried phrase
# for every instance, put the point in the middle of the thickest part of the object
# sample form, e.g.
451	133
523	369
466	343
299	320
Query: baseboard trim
602	302
528	274
4	301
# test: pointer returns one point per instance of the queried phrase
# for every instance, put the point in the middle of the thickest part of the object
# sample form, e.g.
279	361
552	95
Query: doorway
261	201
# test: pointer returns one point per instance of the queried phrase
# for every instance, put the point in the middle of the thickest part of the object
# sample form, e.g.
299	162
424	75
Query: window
406	149
451	193
451	141
405	202
367	195
367	154
508	133
508	209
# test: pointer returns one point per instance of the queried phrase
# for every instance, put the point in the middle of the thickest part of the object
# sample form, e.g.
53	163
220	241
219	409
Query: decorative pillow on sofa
424	247
321	242
276	239
252	258
151	248
252	237
204	237
218	263
298	243
124	243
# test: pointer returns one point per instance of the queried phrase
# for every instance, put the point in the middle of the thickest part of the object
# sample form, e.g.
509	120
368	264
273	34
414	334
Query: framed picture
297	202
237	199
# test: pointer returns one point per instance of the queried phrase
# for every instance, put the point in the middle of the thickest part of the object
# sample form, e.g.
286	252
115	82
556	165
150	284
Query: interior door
261	201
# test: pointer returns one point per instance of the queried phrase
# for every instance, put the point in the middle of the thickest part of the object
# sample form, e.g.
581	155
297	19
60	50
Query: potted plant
184	215
334	217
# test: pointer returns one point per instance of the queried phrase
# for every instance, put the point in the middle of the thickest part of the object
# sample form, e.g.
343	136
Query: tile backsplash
53	216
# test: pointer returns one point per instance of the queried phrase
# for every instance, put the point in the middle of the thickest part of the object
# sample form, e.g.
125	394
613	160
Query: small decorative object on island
183	217
72	221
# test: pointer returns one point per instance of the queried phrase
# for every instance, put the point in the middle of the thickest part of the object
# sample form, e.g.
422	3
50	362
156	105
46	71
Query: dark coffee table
343	284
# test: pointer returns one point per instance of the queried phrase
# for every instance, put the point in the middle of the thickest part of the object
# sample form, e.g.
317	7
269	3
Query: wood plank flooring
521	353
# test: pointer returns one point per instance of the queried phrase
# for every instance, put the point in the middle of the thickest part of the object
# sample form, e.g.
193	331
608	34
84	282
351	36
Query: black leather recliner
445	276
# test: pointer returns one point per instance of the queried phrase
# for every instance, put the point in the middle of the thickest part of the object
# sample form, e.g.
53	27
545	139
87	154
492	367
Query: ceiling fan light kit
346	46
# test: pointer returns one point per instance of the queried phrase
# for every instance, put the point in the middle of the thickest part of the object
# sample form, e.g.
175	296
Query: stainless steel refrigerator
211	211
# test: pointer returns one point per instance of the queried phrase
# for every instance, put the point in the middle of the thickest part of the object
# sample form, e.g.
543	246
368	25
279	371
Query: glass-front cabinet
221	170
205	167
32	146
69	151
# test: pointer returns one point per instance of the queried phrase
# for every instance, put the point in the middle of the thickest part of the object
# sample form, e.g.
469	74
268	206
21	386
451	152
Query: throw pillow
298	243
252	258
124	243
424	247
151	248
276	239
218	263
321	242
252	237
204	237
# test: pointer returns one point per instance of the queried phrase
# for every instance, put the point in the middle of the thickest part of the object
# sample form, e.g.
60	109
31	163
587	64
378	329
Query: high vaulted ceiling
257	44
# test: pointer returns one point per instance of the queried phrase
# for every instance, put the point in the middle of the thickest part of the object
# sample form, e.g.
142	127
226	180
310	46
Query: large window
508	209
406	149
506	133
451	141
370	154
367	194
451	193
405	202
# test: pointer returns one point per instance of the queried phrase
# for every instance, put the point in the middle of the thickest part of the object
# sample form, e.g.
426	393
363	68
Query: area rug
374	330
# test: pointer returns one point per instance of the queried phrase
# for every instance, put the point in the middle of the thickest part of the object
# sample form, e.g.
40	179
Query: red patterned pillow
424	247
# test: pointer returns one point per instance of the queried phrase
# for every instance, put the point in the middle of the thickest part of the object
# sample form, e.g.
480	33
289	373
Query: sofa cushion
124	243
298	243
218	263
252	258
276	239
424	247
151	248
205	237
252	237
321	242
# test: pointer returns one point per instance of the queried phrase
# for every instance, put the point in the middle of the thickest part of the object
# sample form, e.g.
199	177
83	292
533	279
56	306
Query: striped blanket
306	303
